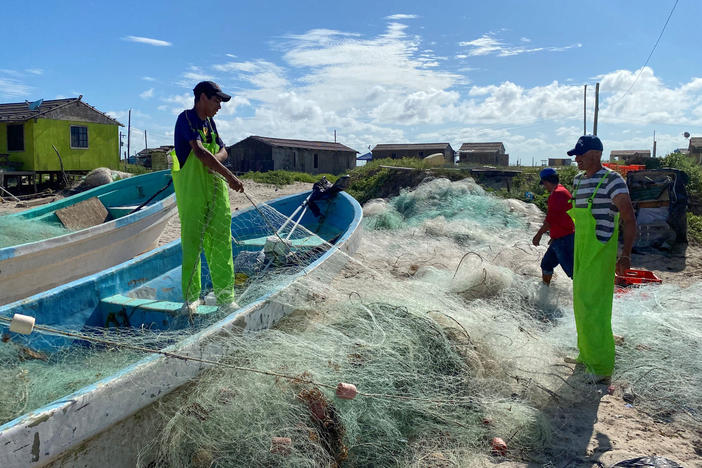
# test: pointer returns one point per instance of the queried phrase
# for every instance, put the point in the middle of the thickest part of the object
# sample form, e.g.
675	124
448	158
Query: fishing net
441	322
16	230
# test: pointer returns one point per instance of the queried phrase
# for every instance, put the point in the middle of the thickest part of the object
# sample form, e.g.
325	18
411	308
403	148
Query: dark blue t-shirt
186	130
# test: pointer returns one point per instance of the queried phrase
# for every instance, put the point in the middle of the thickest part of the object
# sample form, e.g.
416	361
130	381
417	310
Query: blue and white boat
114	299
129	229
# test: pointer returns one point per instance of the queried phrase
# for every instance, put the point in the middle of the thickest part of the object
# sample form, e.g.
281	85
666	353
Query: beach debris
202	458
281	445
499	447
611	389
346	391
327	420
629	396
653	462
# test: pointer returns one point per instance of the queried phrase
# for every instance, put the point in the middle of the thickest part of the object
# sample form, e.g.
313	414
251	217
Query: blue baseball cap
549	171
586	143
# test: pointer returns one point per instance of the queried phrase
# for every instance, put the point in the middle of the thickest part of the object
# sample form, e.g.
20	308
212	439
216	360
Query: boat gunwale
166	204
188	343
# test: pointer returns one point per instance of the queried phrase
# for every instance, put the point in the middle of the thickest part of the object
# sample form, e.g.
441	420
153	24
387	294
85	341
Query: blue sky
376	72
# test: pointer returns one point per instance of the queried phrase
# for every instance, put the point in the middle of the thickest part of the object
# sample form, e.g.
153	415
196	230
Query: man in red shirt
559	225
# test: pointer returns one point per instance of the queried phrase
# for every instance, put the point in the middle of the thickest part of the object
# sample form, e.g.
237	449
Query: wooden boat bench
124	311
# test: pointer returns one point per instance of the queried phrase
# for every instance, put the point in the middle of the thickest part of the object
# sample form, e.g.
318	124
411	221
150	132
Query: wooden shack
48	137
487	154
262	154
412	150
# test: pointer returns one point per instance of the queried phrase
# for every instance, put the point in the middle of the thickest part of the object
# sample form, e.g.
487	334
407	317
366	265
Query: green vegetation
135	169
280	178
694	228
373	181
691	168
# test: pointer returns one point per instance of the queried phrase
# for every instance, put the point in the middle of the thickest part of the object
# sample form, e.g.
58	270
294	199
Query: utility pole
597	107
654	143
129	133
334	135
146	146
585	111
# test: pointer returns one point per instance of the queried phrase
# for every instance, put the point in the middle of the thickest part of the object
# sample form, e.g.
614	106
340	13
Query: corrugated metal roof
20	111
304	144
629	152
412	146
482	147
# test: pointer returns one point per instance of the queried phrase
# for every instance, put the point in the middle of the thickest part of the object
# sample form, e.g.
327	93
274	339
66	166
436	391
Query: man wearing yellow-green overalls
600	199
202	196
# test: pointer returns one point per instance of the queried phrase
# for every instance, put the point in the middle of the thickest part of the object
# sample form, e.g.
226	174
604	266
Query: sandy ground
257	192
601	429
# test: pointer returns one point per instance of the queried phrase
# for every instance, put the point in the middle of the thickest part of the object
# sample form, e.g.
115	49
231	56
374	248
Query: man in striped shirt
600	201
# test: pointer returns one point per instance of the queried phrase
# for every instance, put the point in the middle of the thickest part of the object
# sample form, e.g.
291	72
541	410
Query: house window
79	137
294	159
421	153
15	138
316	161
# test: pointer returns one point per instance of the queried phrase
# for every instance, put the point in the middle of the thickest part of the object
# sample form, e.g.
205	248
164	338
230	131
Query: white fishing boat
87	233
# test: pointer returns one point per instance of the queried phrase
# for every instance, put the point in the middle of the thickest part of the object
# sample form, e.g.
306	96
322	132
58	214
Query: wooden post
597	107
129	132
585	111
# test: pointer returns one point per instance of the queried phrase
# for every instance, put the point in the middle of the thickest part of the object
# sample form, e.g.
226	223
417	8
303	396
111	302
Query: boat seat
119	211
305	242
123	311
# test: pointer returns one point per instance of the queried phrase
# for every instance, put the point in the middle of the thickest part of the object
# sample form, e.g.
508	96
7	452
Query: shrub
280	177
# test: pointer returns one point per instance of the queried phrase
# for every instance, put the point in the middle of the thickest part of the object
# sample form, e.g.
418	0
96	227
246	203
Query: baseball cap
549	171
210	88
586	143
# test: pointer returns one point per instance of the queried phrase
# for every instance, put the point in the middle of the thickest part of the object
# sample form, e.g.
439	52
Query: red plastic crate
636	277
623	169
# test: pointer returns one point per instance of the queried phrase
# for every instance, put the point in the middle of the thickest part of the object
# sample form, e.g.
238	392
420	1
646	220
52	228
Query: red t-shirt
560	223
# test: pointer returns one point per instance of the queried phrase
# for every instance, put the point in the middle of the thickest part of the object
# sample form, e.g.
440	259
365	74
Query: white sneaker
231	307
210	299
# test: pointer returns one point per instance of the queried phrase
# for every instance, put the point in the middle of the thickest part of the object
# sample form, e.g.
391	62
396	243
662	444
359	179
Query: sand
599	431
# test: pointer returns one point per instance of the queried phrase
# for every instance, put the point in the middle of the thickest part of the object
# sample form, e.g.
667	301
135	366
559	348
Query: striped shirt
603	210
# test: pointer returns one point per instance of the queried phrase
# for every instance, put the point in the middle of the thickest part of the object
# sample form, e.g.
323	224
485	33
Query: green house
84	137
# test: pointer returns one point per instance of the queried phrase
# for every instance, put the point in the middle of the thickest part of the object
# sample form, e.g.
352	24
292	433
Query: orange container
623	169
636	277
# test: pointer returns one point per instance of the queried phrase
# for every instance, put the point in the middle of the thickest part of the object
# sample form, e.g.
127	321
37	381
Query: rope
183	357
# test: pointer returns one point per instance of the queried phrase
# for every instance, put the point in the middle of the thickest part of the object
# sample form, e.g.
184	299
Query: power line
649	55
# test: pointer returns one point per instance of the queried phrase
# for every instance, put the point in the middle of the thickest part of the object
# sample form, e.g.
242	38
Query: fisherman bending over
559	226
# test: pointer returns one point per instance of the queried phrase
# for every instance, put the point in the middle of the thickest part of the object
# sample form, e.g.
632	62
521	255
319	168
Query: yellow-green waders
593	287
205	224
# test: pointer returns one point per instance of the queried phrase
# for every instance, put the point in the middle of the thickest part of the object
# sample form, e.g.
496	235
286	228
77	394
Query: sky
373	72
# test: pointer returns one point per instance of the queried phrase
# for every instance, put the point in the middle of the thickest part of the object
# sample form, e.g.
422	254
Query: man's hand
235	184
537	239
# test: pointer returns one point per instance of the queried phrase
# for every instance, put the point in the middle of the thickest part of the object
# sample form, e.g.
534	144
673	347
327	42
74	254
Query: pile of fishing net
15	230
441	323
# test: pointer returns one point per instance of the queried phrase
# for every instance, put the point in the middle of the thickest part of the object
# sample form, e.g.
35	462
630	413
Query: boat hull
38	266
62	427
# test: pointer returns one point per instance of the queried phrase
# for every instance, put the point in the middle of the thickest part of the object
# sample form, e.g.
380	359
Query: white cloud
148	78
388	88
12	88
147	40
34	71
401	16
487	44
149	93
